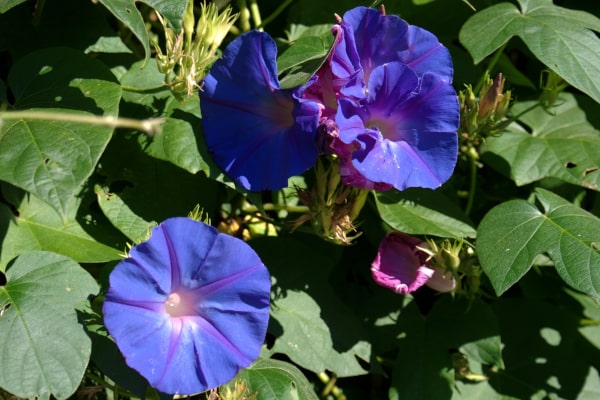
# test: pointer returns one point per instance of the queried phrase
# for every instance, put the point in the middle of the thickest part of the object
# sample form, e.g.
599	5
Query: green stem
330	386
244	15
472	185
145	90
489	67
151	126
276	207
39	10
275	13
255	13
115	388
589	322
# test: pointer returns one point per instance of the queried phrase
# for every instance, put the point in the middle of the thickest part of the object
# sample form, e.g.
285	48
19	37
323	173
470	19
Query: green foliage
557	143
423	212
520	231
53	160
562	39
127	12
95	150
44	350
274	379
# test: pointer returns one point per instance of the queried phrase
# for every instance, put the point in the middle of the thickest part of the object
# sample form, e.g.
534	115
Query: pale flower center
175	306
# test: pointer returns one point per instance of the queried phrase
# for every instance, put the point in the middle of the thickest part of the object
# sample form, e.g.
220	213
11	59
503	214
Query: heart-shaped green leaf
275	379
559	143
512	234
51	158
43	349
561	38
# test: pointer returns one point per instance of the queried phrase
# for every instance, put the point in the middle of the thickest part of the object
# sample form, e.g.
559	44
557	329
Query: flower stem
276	207
255	12
115	388
489	67
330	387
275	13
472	185
151	126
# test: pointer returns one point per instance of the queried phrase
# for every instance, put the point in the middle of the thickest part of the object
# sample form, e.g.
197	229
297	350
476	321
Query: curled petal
258	134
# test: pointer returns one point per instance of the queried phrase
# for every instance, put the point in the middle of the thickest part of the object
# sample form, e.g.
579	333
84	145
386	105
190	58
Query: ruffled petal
258	134
404	133
411	45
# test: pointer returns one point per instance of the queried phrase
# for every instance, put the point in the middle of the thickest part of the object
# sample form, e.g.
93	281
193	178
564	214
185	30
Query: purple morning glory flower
404	133
189	307
396	112
403	268
257	133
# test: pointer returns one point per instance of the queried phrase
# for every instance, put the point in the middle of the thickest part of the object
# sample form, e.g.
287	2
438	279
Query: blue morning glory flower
189	307
257	133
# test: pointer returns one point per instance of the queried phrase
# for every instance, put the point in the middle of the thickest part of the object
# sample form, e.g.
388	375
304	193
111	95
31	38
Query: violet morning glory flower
189	307
396	112
403	268
257	133
404	132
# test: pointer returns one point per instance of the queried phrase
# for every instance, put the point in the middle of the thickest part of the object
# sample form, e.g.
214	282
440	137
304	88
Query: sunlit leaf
563	39
49	158
44	350
513	233
558	143
275	379
423	212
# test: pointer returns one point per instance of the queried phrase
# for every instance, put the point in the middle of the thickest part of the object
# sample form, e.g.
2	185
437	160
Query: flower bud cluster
190	53
483	115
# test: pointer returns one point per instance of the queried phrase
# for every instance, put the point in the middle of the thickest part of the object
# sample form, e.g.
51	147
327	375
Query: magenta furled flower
403	268
257	133
189	307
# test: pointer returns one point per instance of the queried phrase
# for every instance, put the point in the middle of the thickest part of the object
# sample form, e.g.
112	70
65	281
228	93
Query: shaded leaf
43	349
311	324
419	211
52	159
424	367
559	143
306	337
120	215
275	380
513	233
6	5
561	38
